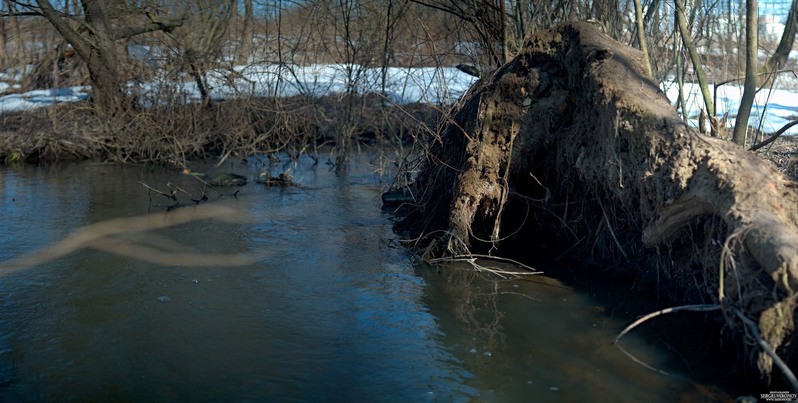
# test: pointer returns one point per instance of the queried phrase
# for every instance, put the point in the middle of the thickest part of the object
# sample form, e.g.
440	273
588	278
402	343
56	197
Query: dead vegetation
572	145
175	133
783	153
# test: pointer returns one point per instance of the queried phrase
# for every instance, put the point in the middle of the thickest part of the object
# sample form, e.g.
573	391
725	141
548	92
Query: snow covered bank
42	98
771	110
438	86
402	85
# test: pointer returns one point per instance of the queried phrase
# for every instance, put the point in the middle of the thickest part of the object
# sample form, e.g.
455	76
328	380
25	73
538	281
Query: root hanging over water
572	145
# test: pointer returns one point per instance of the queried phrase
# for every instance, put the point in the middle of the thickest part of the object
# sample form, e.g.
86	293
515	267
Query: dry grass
175	132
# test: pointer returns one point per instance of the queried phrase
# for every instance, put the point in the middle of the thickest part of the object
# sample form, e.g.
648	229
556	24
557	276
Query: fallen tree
571	141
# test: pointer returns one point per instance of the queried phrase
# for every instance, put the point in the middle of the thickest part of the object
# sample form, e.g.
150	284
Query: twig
644	318
768	350
514	293
207	185
694	308
774	136
170	196
504	259
638	361
612	233
472	260
178	188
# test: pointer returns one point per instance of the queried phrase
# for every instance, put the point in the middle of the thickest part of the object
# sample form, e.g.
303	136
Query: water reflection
537	338
335	311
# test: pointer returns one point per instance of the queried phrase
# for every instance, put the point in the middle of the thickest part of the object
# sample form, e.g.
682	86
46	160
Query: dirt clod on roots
571	141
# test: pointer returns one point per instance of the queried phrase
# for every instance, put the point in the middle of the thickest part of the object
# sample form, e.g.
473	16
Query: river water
333	308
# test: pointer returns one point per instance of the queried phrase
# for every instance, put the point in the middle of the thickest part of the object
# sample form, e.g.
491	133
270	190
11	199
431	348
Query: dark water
333	309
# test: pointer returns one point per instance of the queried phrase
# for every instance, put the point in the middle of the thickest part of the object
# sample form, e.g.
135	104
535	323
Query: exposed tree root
573	133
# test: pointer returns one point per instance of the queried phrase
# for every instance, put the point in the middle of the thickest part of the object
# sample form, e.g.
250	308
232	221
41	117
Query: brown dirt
570	141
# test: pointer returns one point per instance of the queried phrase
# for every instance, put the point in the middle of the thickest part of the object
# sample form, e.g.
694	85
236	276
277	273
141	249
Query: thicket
117	46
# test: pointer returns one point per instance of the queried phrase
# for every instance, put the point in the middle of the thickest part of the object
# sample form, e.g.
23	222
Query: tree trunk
247	33
3	38
94	50
641	36
779	58
751	71
503	31
572	145
97	46
687	39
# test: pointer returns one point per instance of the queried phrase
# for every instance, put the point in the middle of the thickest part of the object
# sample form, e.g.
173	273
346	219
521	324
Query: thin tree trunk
652	9
641	36
779	58
680	82
687	39
280	61
246	33
386	59
520	29
749	88
503	27
3	40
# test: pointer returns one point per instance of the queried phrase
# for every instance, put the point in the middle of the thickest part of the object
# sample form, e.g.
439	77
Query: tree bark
751	71
641	36
779	58
687	39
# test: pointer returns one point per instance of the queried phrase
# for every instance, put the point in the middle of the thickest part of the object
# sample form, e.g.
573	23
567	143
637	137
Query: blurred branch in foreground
101	235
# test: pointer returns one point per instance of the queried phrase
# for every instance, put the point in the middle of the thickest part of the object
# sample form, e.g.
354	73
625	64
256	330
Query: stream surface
334	309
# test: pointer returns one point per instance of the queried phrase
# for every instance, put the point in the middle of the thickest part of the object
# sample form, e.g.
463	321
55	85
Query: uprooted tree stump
571	140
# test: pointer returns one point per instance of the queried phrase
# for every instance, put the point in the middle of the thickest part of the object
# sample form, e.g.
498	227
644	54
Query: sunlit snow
772	109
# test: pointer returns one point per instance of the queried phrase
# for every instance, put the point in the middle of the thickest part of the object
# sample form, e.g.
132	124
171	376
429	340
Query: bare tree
96	36
199	45
485	19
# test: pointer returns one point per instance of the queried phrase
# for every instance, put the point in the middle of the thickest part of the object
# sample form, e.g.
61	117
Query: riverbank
176	133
